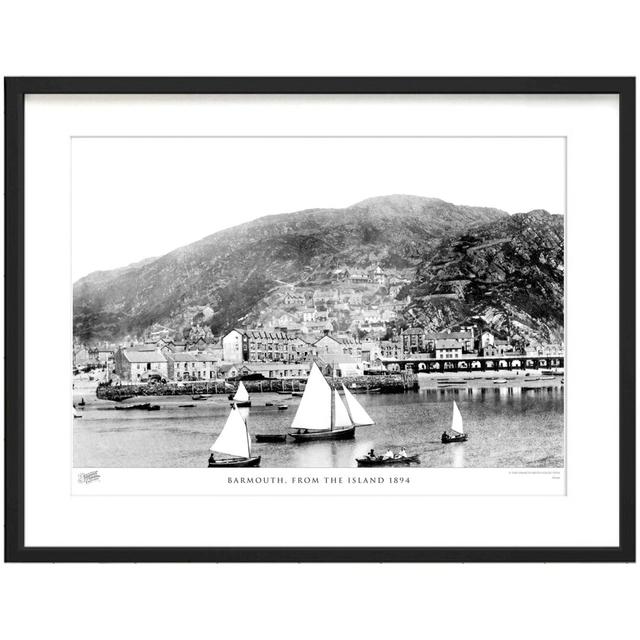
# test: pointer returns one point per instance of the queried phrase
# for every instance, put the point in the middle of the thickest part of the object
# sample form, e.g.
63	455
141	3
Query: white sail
314	411
341	415
358	415
242	395
456	421
233	439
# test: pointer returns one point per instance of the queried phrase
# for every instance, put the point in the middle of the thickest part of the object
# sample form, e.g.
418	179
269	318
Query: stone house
137	365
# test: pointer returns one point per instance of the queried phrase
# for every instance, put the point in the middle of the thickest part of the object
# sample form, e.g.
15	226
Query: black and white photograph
318	302
322	309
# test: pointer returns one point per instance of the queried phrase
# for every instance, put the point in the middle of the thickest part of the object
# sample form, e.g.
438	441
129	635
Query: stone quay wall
386	384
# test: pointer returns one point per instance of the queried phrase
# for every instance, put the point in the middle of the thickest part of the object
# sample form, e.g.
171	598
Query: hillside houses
294	298
325	295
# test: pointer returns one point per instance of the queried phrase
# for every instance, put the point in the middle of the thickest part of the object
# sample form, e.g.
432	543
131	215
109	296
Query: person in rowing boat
372	454
211	458
445	435
403	453
388	455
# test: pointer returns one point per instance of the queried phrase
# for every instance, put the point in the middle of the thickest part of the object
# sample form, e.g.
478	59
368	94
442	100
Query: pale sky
133	198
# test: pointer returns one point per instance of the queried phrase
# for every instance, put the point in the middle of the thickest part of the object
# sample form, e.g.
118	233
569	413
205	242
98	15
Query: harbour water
508	426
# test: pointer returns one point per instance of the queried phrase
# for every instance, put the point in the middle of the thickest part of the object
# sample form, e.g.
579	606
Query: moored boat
322	415
500	381
199	397
143	406
303	435
271	437
282	407
457	428
241	397
233	441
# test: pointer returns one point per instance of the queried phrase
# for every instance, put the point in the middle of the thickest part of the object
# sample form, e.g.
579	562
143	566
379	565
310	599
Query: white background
53	517
372	38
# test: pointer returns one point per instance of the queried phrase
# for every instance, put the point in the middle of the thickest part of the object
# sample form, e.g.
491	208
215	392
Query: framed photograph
320	319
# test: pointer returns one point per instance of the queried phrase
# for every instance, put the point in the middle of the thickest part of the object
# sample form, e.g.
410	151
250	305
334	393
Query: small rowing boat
381	461
271	437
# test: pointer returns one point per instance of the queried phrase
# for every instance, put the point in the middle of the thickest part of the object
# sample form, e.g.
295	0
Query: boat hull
236	462
390	462
335	434
133	407
270	437
241	404
446	439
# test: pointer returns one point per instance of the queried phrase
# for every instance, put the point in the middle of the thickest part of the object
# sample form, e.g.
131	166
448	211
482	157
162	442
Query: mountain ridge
233	271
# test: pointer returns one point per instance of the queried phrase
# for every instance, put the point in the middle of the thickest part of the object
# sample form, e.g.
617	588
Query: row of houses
242	345
142	365
280	354
453	344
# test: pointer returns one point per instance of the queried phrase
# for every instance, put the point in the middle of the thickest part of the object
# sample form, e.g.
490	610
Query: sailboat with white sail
241	397
322	415
457	427
357	412
233	441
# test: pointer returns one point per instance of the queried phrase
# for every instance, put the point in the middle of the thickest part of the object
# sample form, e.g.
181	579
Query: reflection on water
458	456
507	427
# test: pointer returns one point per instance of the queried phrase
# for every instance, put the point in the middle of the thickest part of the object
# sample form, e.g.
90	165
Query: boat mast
246	430
333	409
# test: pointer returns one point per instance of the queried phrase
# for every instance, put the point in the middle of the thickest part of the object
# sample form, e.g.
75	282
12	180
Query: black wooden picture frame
15	91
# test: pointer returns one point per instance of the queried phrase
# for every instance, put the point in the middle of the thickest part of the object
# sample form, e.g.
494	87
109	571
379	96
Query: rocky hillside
508	274
232	270
462	262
